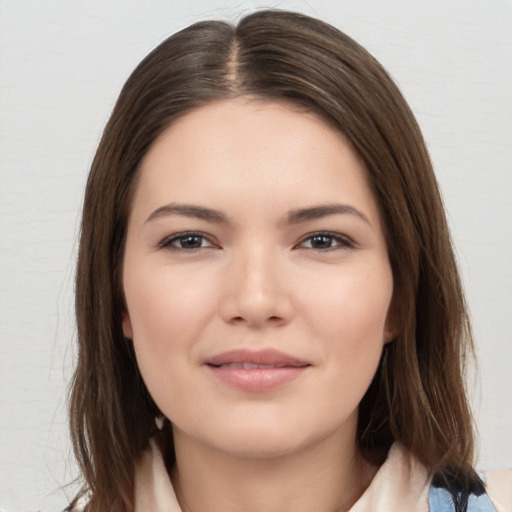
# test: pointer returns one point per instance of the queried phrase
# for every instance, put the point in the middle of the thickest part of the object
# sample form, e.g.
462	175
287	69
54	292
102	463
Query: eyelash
341	242
166	243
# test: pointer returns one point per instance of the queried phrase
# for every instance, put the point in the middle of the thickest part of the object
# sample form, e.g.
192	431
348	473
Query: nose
257	292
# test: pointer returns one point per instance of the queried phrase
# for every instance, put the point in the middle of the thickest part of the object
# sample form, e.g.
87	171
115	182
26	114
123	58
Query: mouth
256	371
252	360
250	366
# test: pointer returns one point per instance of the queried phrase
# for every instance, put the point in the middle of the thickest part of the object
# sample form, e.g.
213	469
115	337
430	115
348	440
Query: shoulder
441	500
489	491
494	495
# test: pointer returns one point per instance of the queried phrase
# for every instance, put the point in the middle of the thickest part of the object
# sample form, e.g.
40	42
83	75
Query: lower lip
257	379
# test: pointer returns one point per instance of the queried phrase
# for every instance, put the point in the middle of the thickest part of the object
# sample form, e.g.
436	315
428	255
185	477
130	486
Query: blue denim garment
440	500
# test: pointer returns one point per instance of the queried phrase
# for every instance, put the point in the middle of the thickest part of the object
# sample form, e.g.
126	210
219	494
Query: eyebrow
188	210
323	210
295	216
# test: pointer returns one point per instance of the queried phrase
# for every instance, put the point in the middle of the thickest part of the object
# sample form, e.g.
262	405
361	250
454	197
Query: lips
256	371
251	366
266	357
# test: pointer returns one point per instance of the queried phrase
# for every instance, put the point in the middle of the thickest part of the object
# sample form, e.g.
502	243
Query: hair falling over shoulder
418	395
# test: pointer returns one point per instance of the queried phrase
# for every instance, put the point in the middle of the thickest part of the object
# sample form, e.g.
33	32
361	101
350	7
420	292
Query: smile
251	359
256	371
251	366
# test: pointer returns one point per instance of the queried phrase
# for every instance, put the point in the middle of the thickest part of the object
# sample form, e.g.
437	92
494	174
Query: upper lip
267	356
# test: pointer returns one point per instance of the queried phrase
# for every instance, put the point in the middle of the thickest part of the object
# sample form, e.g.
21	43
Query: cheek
163	310
349	318
168	312
164	303
350	328
354	303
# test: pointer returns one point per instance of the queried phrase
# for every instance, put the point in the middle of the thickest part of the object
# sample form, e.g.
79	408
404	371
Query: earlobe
389	334
127	326
391	328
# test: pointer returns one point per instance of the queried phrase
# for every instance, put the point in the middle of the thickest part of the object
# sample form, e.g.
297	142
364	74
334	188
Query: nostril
273	320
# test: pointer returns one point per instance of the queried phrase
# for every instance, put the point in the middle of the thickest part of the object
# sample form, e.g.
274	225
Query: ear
127	326
389	333
392	326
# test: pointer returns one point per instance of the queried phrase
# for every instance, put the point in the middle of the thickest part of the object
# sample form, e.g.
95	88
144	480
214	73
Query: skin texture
255	280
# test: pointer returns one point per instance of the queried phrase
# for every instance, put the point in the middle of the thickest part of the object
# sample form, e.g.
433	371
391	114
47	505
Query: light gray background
62	65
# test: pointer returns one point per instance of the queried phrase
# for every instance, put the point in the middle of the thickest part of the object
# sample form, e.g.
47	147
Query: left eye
325	241
186	241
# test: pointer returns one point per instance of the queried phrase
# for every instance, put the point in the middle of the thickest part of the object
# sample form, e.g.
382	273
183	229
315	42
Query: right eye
190	242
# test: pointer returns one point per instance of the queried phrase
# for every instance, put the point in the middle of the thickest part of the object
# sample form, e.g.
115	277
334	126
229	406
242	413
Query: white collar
401	485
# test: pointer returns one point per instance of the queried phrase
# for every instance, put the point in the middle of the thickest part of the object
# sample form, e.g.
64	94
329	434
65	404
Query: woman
269	311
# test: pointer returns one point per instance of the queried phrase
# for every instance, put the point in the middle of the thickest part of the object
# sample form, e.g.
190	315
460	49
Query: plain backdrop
62	66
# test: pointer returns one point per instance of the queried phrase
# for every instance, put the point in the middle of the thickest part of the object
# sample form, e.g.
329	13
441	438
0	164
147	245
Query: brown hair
417	396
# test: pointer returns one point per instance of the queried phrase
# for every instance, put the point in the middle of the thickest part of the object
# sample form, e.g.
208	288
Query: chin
265	438
260	445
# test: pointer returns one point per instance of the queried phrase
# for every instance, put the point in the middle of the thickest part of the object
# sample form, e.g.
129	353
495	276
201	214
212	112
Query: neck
327	477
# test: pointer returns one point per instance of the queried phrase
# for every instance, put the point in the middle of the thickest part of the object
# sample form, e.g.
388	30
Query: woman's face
256	277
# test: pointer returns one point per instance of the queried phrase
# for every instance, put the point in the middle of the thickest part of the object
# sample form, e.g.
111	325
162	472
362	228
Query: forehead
253	151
